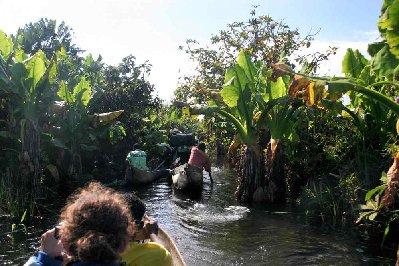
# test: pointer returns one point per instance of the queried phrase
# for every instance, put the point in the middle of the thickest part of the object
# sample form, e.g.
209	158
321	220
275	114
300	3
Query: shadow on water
211	228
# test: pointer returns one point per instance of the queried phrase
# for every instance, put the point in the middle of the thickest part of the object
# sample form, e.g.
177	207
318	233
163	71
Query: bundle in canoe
187	177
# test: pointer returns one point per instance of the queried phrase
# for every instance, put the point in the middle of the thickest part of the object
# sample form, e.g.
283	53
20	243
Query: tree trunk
30	170
250	182
275	175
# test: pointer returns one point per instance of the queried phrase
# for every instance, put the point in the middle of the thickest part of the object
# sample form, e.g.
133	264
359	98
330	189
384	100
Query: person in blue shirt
96	227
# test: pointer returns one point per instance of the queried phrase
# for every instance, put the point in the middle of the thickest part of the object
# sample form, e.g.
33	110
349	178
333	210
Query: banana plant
237	104
80	130
250	100
25	83
278	114
29	122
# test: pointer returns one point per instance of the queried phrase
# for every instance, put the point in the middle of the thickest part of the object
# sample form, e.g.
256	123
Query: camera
57	231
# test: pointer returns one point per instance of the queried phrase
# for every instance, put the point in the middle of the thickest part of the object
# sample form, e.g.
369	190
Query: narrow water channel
212	229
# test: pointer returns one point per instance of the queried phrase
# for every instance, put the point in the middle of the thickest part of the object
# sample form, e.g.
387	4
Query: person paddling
198	159
140	251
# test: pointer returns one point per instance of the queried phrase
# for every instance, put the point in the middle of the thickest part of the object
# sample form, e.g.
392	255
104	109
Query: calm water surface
212	229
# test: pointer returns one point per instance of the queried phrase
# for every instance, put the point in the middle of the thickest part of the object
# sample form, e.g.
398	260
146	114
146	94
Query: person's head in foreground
96	225
137	208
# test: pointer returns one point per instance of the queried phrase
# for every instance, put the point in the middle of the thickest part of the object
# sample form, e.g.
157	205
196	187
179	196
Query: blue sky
153	29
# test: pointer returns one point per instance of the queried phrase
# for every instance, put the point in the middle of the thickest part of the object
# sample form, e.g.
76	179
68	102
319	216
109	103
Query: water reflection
213	229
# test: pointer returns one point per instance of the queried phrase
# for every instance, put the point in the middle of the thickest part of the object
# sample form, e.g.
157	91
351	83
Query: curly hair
95	222
137	206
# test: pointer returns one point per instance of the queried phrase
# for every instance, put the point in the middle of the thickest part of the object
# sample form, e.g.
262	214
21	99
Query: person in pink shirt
199	159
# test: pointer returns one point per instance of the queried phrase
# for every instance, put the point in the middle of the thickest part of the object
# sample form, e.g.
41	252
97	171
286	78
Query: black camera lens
57	232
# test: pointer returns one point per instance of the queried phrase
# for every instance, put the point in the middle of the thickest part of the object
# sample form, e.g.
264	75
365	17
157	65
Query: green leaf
13	228
362	216
228	77
211	103
373	191
278	89
384	62
241	80
89	60
352	65
4	76
389	16
61	54
374	48
65	94
363	61
372	216
82	91
23	217
384	178
6	45
366	76
393	42
52	73
19	55
230	95
18	76
386	232
36	68
245	63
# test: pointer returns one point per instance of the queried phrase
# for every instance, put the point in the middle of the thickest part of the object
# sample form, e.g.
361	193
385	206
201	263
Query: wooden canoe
169	244
136	176
187	177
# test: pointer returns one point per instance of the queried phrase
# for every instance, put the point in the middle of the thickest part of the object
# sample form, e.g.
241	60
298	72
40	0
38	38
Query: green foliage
6	45
127	88
21	223
260	37
353	63
332	199
116	133
81	92
45	90
374	214
383	62
389	26
47	36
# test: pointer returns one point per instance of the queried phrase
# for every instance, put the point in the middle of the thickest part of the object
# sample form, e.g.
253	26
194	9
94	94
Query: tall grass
331	199
14	199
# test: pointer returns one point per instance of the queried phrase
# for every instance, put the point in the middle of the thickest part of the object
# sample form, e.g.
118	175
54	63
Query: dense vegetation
290	135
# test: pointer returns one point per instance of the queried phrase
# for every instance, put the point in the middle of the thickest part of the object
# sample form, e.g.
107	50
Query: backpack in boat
181	139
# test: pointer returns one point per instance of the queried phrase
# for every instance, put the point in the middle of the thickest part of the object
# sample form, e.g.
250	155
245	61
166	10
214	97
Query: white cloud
333	66
117	28
114	29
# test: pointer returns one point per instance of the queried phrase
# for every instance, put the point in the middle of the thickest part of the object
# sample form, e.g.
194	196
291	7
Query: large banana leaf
6	45
388	24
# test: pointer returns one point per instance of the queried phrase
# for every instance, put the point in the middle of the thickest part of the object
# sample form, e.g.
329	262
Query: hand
50	244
